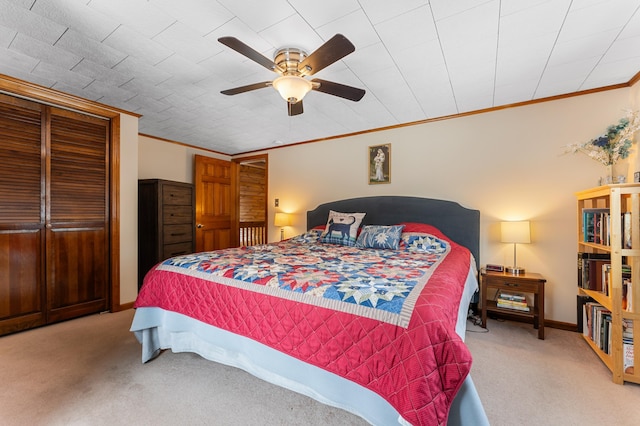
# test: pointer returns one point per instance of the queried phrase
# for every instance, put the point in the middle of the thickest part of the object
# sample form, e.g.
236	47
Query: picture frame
379	157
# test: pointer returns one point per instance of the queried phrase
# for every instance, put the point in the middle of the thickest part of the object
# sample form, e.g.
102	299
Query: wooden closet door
21	215
77	224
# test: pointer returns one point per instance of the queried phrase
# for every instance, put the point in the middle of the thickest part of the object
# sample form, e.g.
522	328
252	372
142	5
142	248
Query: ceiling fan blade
333	50
242	89
337	89
294	109
247	51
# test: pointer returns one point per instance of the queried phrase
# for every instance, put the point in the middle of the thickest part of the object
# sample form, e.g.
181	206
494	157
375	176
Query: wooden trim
452	116
123	307
560	325
547	323
635	79
56	98
115	214
183	144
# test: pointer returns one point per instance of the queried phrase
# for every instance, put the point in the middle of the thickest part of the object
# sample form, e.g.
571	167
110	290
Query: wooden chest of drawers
165	222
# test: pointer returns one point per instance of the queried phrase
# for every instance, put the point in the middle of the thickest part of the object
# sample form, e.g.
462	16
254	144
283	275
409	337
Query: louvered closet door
77	215
21	215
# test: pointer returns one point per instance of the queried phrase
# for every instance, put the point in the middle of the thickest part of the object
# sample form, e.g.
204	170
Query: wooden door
216	211
22	290
77	215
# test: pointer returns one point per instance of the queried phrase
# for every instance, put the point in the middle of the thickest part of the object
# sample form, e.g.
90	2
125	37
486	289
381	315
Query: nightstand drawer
525	287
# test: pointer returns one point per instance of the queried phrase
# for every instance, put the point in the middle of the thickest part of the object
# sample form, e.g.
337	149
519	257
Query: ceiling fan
294	65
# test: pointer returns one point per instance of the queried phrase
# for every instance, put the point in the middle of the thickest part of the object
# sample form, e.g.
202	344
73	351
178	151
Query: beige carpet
522	380
88	372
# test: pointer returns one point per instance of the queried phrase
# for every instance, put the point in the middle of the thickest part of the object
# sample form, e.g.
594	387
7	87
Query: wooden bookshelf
616	199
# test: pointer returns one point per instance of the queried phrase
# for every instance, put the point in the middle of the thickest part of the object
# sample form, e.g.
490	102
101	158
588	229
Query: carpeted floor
88	372
522	380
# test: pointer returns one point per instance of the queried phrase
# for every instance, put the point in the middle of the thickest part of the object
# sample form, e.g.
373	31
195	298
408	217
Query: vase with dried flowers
612	146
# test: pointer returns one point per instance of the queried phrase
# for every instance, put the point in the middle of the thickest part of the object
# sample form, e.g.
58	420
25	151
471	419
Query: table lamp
282	220
515	232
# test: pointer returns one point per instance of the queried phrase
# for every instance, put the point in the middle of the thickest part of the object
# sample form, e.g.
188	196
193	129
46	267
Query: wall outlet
277	203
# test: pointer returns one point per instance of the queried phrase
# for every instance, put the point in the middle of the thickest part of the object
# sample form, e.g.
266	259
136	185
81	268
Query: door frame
238	161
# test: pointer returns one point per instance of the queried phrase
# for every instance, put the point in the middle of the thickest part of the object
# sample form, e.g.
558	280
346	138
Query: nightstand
529	282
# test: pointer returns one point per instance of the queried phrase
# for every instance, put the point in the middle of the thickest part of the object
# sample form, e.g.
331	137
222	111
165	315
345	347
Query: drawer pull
177	235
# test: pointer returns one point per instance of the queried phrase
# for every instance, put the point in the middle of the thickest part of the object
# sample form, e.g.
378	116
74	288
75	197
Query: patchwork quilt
382	318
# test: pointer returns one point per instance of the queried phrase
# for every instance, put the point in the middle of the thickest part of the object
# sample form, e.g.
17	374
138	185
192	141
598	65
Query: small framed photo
379	164
636	177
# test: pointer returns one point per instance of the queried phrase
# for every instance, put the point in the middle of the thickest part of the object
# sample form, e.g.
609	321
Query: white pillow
342	228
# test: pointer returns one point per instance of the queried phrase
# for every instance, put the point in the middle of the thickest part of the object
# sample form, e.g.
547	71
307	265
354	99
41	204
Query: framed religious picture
380	164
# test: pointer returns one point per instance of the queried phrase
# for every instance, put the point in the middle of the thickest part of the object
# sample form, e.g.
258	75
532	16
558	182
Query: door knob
199	226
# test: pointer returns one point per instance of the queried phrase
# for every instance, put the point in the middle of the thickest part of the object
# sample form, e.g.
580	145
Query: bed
387	357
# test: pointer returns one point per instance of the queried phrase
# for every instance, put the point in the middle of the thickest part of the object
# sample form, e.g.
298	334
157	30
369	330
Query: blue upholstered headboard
459	223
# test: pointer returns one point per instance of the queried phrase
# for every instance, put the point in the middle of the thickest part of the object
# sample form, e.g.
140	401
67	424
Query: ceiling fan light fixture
292	88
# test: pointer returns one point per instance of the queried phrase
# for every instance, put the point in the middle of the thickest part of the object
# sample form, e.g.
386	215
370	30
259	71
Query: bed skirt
157	329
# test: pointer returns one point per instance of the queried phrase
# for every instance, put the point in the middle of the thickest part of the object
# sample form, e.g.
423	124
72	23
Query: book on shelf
626	283
516	297
581	299
590	269
514	306
627	345
626	230
627	293
596	227
515	301
606	278
597	325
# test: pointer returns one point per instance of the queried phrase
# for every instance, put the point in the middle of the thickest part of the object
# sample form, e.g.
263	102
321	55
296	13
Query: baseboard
561	325
547	323
125	306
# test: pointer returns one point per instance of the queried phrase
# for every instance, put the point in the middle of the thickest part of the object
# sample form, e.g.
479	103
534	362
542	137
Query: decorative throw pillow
380	236
311	236
421	242
342	228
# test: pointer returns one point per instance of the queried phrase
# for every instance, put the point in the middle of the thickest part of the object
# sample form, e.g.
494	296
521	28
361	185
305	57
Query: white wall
509	164
158	159
128	208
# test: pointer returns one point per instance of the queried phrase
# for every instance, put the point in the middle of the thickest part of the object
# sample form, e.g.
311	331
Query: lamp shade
282	219
292	88
515	232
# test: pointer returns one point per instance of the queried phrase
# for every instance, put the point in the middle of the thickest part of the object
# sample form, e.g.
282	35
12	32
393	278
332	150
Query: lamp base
514	270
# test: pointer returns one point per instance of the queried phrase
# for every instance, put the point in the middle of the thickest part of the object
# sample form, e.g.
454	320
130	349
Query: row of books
627	345
597	327
515	301
596	225
594	273
626	281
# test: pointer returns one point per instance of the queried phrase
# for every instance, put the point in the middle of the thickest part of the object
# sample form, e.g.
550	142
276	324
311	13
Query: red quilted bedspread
418	369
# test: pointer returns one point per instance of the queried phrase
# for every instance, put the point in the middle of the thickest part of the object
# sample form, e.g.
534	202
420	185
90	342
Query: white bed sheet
157	329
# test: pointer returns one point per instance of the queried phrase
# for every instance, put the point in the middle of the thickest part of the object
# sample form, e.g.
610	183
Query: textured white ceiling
416	59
